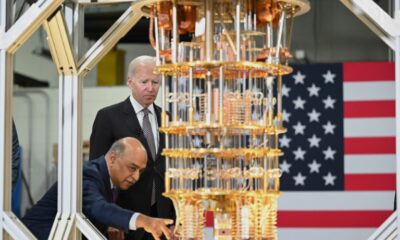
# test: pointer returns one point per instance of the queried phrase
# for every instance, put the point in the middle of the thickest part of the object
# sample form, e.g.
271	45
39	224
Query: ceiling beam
376	19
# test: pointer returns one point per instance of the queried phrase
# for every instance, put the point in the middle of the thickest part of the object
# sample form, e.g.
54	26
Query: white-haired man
137	116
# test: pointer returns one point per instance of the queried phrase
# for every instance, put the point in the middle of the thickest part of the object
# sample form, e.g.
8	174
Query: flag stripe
350	218
370	145
209	218
314	233
369	164
378	163
362	109
368	91
369	127
331	218
369	155
324	233
368	71
336	200
369	182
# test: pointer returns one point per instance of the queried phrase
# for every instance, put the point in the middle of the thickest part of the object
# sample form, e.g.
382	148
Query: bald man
137	116
118	170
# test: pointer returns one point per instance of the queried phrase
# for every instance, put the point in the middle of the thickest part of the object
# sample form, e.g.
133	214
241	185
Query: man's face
125	168
144	85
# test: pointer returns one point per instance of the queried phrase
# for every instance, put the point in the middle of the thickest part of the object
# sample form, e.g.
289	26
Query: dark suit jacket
97	204
119	121
40	217
97	198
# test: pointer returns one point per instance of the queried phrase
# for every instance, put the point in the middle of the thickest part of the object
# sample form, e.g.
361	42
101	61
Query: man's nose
135	175
150	86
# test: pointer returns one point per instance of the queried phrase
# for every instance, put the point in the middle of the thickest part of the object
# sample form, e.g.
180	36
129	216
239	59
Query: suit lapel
134	126
105	177
161	138
131	120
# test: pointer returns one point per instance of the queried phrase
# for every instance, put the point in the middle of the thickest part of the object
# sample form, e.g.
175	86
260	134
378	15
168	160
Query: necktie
114	192
148	133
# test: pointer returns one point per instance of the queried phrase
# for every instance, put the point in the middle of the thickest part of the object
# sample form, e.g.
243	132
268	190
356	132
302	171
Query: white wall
40	67
135	50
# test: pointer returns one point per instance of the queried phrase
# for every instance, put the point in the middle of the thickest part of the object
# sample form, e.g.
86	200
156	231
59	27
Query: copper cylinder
151	29
215	104
265	11
164	10
187	19
275	21
284	54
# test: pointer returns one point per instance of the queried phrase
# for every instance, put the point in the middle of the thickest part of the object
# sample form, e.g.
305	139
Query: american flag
338	166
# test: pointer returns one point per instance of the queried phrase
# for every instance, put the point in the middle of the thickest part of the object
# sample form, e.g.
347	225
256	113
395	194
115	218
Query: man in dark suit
118	170
138	117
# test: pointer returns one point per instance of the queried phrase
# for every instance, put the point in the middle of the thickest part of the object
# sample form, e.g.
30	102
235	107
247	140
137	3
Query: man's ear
113	157
129	82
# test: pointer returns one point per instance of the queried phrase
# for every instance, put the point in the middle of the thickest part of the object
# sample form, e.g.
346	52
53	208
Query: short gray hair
141	60
118	147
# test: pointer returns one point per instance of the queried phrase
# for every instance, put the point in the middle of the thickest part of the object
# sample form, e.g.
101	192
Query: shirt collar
138	108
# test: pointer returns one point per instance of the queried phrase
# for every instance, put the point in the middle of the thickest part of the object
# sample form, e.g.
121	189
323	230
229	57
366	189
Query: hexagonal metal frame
70	219
71	73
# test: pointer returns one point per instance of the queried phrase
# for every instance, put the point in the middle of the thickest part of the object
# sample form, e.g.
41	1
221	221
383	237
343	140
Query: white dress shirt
152	118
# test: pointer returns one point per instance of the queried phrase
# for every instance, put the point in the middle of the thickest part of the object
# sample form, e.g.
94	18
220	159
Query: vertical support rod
5	15
157	40
175	99
287	42
209	7
279	97
74	14
270	99
269	41
280	36
209	97
6	88
70	150
164	116
190	117
163	102
221	95
175	35
174	49
237	28
73	99
70	133
209	42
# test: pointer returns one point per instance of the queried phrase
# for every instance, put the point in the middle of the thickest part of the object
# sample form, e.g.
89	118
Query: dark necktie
148	133
114	192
